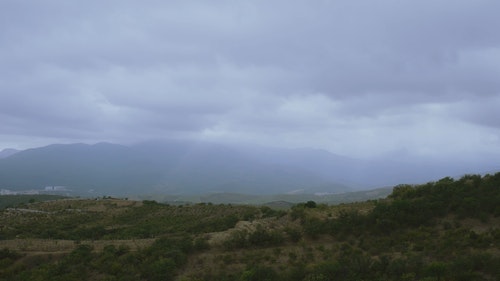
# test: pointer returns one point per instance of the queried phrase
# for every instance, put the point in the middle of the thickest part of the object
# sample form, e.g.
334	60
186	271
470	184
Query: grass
10	201
385	239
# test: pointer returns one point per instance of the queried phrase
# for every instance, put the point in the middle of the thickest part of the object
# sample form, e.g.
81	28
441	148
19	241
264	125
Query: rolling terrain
443	230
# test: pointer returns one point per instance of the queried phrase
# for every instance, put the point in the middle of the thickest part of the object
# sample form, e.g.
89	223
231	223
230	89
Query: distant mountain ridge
173	167
184	167
8	152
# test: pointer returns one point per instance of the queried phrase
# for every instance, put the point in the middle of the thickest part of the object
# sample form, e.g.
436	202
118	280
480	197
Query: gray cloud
355	77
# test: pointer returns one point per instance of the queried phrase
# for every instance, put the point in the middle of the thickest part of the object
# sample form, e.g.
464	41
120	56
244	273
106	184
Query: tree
310	204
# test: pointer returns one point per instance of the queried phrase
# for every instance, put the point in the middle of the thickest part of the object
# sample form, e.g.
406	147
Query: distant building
22	192
29	192
7	192
55	188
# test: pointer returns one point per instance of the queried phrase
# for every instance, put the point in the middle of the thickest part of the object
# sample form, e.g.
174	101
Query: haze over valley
249	140
407	92
187	167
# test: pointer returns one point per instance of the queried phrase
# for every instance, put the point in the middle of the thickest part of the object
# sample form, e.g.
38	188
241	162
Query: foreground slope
444	230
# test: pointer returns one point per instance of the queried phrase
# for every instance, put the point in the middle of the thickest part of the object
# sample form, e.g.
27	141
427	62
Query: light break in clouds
358	78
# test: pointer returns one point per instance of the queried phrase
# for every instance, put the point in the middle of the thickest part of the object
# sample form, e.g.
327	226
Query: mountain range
8	152
185	167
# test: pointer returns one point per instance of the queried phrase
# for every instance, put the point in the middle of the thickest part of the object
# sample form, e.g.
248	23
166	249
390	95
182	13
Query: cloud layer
360	78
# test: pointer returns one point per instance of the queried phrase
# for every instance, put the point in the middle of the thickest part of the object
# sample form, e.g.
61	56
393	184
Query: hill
443	230
9	201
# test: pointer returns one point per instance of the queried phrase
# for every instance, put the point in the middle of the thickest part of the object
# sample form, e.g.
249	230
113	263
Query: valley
443	230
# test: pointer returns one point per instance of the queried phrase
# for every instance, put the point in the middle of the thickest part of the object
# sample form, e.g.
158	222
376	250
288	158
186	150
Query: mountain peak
8	152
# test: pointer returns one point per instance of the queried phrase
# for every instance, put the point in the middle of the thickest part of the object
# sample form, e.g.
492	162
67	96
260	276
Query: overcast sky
358	78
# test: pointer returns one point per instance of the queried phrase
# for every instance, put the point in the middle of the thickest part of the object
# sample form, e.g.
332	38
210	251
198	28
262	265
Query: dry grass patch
48	246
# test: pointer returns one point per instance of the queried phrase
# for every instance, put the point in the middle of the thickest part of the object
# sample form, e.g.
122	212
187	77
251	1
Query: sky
357	78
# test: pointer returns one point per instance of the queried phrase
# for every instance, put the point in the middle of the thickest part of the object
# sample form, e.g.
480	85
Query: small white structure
7	192
55	188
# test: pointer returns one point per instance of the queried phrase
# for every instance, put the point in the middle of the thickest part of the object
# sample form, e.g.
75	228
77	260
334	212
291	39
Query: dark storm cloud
357	77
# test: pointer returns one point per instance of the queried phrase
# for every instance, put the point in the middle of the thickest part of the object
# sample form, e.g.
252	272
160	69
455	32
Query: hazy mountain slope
173	167
207	167
178	167
77	166
330	166
8	152
388	170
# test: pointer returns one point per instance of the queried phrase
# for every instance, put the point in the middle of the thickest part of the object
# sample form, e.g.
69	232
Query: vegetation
282	201
7	201
444	230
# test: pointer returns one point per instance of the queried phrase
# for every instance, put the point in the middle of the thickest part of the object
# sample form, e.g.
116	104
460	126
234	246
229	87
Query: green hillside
7	201
444	230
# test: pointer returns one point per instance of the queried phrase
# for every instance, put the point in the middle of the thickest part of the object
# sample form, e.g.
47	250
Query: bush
310	204
263	237
259	273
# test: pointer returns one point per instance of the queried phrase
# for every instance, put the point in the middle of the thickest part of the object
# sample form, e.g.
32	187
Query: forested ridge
443	230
